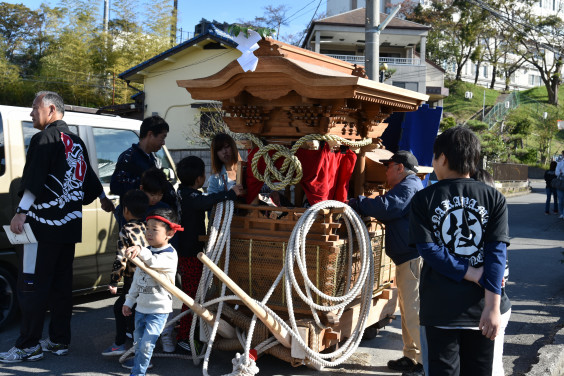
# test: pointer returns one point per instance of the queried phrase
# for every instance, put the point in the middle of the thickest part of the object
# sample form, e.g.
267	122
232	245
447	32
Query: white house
198	57
524	78
342	36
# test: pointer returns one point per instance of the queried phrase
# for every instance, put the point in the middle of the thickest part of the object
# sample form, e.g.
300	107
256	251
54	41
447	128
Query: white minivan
106	137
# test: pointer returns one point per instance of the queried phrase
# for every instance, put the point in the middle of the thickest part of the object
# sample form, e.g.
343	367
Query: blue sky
190	12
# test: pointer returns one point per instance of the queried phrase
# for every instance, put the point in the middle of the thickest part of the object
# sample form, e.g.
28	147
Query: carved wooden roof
312	93
282	68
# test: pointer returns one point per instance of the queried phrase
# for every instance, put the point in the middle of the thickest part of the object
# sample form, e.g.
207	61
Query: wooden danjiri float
314	123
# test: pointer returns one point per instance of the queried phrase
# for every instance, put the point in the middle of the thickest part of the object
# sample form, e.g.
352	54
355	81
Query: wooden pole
275	328
225	330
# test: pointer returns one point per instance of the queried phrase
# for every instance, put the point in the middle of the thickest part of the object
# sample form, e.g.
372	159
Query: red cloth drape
326	174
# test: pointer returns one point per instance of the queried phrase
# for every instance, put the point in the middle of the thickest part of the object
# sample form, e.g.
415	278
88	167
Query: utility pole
373	28
372	38
106	15
173	23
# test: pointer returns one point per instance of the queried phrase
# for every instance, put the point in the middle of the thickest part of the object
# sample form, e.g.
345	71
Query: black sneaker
417	370
402	364
56	348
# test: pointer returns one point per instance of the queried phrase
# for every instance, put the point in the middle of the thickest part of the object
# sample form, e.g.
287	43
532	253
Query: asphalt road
536	288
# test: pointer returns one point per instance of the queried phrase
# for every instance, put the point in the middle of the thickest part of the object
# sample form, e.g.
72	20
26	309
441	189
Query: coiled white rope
296	252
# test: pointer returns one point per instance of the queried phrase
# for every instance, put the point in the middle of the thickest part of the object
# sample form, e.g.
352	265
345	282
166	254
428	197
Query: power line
310	21
292	15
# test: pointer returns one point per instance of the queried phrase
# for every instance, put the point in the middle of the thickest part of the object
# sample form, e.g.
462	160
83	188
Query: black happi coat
58	172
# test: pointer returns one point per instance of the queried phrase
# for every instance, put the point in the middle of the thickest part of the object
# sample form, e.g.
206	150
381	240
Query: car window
2	152
166	166
29	131
110	143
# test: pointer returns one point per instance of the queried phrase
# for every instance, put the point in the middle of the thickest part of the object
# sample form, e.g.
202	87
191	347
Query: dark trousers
454	352
551	192
50	287
123	323
190	269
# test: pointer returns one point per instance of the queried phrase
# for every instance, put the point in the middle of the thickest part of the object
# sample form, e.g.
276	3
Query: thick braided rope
291	170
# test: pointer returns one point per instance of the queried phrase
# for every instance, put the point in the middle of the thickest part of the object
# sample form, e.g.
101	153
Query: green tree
456	26
539	40
68	60
18	26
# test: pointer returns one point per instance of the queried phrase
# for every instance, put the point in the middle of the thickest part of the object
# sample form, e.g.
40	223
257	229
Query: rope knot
290	172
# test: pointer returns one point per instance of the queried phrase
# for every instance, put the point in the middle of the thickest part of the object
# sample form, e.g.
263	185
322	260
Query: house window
407	85
485	71
534	80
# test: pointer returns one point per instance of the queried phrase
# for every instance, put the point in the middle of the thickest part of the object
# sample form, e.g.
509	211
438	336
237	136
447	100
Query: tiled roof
356	17
174	50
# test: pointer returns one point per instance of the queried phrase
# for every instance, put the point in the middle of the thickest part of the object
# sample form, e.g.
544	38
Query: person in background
224	158
193	206
57	181
154	302
460	228
392	209
134	204
559	192
549	176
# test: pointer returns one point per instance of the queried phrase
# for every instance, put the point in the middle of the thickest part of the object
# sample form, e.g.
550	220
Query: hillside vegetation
525	136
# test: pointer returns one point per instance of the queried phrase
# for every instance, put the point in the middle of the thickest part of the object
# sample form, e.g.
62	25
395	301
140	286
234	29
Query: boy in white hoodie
154	303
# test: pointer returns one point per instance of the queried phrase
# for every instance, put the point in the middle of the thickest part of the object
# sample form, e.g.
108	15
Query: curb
551	358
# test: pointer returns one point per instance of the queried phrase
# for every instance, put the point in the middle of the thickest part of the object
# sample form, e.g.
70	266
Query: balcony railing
388	60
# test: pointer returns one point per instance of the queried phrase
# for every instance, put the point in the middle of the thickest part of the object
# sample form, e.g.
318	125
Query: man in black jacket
57	180
140	157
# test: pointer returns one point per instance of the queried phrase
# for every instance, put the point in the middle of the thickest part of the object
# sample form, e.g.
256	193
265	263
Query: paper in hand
24	238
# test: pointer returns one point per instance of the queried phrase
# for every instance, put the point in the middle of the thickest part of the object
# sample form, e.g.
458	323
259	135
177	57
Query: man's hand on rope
132	251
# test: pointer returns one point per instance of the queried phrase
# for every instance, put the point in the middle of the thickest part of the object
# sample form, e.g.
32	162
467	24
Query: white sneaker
15	355
167	340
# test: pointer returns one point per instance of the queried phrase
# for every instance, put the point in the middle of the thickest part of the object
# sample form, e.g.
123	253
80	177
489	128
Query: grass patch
461	108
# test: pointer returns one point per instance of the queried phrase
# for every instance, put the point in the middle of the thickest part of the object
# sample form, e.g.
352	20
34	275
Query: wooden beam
275	328
225	330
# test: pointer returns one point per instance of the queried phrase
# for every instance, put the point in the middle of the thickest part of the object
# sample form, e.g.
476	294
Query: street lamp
383	68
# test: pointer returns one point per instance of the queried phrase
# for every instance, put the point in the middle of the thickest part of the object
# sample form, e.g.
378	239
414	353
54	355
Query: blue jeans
148	328
560	195
551	192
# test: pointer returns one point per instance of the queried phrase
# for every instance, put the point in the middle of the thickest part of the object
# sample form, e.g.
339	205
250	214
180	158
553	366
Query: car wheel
8	304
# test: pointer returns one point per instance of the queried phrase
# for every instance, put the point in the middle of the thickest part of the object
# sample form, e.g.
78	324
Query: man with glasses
392	209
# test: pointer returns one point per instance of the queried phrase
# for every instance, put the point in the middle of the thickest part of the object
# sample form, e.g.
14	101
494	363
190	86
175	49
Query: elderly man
57	180
392	209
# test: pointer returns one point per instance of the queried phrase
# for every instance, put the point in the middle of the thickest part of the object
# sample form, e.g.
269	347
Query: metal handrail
388	60
500	110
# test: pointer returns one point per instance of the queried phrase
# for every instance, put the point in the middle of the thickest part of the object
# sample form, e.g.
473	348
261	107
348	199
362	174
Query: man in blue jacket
392	209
